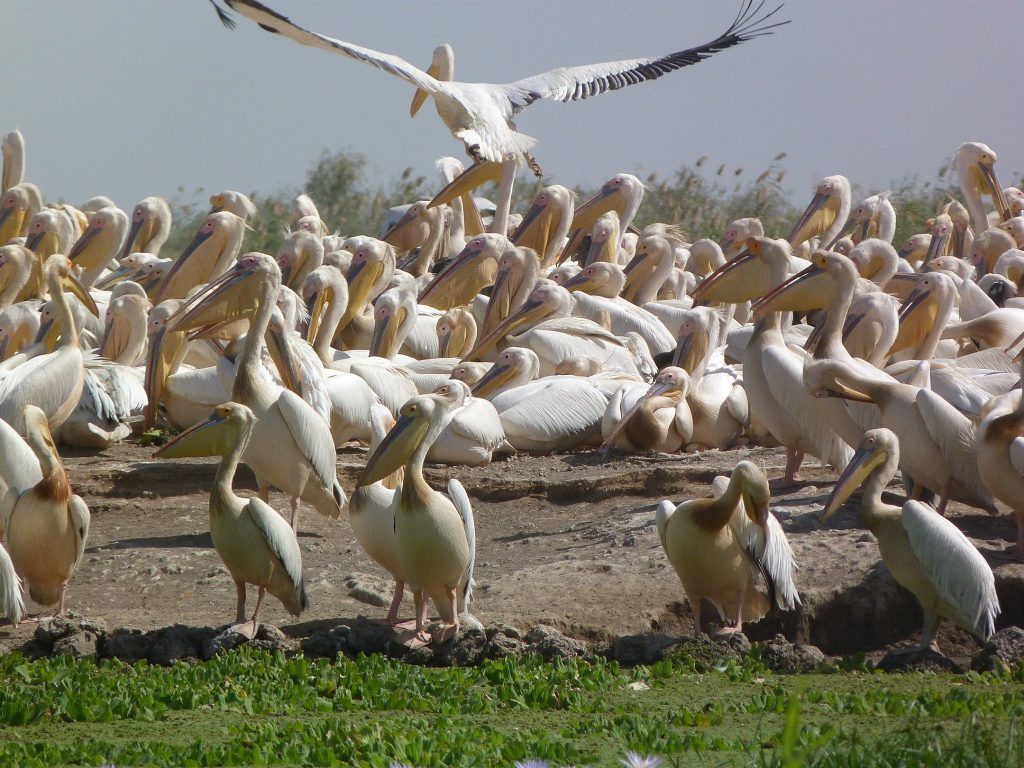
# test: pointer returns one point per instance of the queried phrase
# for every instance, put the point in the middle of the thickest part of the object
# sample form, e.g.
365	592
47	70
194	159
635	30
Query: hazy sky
130	98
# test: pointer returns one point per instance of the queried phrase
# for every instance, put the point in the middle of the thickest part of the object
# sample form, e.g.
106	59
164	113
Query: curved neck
328	328
62	312
931	341
249	362
222	484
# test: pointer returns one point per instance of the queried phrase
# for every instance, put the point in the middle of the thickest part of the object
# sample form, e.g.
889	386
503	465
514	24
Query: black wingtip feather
225	18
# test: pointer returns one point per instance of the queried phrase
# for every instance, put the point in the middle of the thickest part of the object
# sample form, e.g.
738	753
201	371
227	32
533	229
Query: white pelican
124	340
456	332
299	254
17	264
371	513
424	228
659	420
518	270
47	526
19	325
721	547
235	202
435	533
254	542
473	430
975	168
480	114
151	226
987	247
53	381
467	274
622	193
18	207
826	214
736	235
546	224
12	147
210	252
924	552
292	448
653	262
99	244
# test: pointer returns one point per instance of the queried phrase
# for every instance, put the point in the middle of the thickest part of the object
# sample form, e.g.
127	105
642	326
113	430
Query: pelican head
442	67
826	206
737	234
824	380
988	247
60	268
105	233
514	366
546	301
915	247
811	288
300	253
604	239
151	224
233	295
410	231
976	169
470	373
698	330
473	268
920	311
17	207
548	219
879	448
756	270
622	193
323	287
942	230
599	279
455	392
228	425
456	332
394	316
219	234
415	420
235	202
373	264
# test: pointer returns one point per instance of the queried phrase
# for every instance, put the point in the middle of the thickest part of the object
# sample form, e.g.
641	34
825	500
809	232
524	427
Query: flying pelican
435	533
480	114
47	526
292	448
719	547
53	381
254	542
925	553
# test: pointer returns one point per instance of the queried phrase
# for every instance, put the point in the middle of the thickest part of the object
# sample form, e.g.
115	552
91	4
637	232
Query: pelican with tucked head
721	547
660	420
234	202
434	533
925	553
99	244
255	543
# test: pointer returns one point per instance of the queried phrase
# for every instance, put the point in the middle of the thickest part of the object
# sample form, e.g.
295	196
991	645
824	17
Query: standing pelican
47	526
291	447
719	546
435	533
254	542
925	553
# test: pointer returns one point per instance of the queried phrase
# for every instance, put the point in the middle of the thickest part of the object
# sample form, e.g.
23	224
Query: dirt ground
565	540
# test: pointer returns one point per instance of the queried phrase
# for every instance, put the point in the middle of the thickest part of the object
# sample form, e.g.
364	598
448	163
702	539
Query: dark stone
79	645
500	646
782	656
128	645
703	652
50	631
271	639
464	650
916	660
326	643
1004	649
507	630
175	643
422	656
366	636
630	650
549	643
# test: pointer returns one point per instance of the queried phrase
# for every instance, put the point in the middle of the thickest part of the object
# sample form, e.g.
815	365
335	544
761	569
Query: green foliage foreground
251	708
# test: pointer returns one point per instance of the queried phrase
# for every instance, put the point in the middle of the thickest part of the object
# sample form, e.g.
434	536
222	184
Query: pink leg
240	609
695	610
295	513
793	461
60	598
396	601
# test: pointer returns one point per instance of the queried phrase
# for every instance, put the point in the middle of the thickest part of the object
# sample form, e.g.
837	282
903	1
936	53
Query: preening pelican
480	114
923	551
435	533
292	448
254	542
659	420
47	526
722	547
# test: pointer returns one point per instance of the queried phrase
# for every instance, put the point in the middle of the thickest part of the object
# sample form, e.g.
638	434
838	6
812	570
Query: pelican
826	214
975	168
53	381
720	546
924	552
622	193
18	207
736	235
456	332
472	431
47	526
401	323
151	226
653	262
253	541
480	114
17	264
467	274
421	227
292	448
12	147
435	534
124	340
234	202
988	246
19	325
518	270
299	254
546	224
99	244
466	222
211	251
660	420
371	513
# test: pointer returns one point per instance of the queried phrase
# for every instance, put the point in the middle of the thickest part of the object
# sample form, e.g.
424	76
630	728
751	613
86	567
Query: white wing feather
81	519
11	603
313	437
956	569
461	501
19	468
279	536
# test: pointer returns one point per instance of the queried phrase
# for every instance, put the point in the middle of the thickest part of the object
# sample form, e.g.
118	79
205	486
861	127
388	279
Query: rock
421	657
1004	649
504	629
128	645
78	645
326	643
702	652
464	650
269	638
549	643
368	589
175	643
366	636
630	650
469	621
915	660
500	646
782	656
51	630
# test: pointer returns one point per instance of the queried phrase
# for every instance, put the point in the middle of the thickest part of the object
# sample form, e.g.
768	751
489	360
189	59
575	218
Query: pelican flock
458	340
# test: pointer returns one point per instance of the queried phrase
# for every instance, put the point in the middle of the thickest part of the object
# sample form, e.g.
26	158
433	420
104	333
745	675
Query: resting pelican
17	264
371	513
546	224
99	244
18	207
480	114
826	214
400	323
53	381
622	193
299	254
210	252
456	332
292	448
518	270
472	431
467	274
424	228
124	340
13	149
253	541
987	247
151	226
1001	455
435	533
659	420
653	262
47	526
19	325
923	551
976	170
720	547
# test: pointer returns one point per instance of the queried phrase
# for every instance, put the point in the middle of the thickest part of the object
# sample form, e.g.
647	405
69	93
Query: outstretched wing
272	21
574	83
